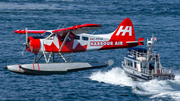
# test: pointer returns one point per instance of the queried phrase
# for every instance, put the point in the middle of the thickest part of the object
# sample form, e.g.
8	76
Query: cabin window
68	39
76	37
129	63
145	65
85	38
134	64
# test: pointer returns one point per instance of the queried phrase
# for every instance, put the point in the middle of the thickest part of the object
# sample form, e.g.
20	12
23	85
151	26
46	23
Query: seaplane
54	44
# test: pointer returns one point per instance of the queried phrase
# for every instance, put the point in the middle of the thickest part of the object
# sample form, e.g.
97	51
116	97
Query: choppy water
161	17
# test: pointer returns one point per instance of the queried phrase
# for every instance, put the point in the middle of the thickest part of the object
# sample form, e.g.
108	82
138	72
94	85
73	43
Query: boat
143	64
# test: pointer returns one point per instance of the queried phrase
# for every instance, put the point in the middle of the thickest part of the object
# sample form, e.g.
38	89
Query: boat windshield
151	65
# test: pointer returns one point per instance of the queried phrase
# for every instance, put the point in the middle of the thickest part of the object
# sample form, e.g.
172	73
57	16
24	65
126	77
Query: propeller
23	51
26	37
26	42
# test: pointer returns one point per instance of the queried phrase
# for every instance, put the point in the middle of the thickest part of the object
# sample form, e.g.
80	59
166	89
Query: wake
154	88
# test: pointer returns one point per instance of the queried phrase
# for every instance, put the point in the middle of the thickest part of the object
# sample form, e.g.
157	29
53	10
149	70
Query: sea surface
158	17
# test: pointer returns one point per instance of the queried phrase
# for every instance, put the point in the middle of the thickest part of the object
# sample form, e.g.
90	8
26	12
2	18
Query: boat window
158	65
151	65
85	38
134	64
76	37
129	63
145	65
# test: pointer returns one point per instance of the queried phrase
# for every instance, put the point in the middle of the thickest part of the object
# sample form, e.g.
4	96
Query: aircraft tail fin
125	31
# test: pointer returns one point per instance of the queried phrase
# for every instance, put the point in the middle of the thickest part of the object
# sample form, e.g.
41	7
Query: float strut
35	58
53	58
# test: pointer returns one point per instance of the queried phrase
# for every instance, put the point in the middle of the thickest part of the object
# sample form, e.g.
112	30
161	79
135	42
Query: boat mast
152	43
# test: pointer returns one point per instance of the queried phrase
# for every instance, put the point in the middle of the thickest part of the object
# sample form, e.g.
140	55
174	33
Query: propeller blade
23	51
26	41
26	37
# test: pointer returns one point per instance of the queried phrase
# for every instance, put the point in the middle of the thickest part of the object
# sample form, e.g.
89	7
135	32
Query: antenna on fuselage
59	26
64	25
93	32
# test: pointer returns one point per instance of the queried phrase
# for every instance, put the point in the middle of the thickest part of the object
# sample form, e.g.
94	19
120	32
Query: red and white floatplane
51	44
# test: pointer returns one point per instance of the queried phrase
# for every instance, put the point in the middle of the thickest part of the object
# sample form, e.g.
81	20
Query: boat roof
128	55
137	49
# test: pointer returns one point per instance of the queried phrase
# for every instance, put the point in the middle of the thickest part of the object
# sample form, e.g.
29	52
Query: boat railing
162	71
146	55
166	71
138	54
146	71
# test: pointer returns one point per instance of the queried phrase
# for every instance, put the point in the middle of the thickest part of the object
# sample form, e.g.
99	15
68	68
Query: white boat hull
138	76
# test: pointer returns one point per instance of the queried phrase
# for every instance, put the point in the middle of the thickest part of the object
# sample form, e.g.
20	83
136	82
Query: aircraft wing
30	31
77	29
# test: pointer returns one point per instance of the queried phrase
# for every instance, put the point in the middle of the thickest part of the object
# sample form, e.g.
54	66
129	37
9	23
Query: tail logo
127	29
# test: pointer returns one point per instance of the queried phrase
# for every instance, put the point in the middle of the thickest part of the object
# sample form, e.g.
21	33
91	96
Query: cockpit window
46	34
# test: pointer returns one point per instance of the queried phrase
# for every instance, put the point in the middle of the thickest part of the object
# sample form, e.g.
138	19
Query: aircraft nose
33	45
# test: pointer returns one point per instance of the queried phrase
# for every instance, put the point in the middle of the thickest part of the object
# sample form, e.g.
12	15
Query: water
110	83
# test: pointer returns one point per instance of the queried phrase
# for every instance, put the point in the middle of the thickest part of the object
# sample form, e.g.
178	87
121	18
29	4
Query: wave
114	76
152	89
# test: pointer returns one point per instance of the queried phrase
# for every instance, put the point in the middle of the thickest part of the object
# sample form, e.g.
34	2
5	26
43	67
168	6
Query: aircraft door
68	44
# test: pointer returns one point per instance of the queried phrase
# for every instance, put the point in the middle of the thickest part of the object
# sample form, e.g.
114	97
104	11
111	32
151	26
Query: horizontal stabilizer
139	42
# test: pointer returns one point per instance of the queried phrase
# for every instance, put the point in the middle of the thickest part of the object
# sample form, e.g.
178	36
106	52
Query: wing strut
63	45
64	42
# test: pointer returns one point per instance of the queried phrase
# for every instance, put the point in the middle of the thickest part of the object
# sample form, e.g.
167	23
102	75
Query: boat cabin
141	60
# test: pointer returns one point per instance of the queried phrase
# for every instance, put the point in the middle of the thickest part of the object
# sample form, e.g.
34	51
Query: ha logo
127	29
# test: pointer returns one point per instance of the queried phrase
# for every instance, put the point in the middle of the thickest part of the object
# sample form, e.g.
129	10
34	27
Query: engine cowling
33	45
